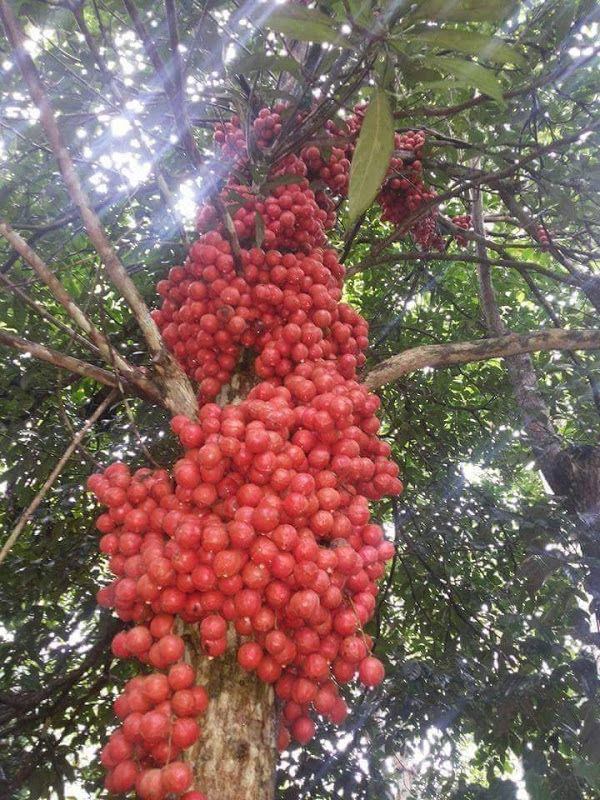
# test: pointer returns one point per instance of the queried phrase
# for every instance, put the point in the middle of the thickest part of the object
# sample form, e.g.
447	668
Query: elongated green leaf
256	62
372	155
469	74
464	10
259	227
304	24
281	180
489	48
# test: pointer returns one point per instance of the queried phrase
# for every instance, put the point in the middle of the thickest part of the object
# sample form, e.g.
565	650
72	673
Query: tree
478	277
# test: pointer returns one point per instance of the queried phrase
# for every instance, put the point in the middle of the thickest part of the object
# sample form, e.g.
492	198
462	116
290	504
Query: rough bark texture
574	474
447	355
236	756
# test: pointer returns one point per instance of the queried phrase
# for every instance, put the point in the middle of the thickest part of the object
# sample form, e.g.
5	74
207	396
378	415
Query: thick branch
57	359
48	483
75	365
543	437
447	355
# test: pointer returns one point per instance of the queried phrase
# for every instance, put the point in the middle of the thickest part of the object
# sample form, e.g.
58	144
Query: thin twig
49	482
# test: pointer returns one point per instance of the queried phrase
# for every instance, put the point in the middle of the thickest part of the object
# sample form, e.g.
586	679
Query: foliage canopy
485	623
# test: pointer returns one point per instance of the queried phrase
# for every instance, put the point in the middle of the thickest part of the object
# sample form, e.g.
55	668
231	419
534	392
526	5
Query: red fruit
119	645
339	712
283	739
200	699
171	648
325	700
131	727
154	726
249	655
181	676
161	625
139	639
247	602
213	627
156	688
371	671
183	703
268	669
149	785
124	777
215	647
303	729
185	732
177	777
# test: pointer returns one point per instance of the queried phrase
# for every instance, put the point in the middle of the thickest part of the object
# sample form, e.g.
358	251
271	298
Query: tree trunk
575	475
236	755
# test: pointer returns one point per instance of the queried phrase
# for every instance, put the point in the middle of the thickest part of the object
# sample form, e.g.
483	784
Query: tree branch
176	96
100	241
543	80
48	483
588	283
108	77
173	89
466	257
60	294
44	314
543	437
178	395
68	363
435	356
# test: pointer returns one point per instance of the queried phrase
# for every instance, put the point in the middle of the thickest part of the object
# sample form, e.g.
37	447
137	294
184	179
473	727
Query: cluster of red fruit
462	221
543	237
284	305
327	164
261	535
405	192
159	710
289	215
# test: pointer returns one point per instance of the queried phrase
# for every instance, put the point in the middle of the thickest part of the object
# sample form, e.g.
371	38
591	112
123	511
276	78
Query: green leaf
372	155
489	48
259	228
470	75
281	180
588	771
257	62
304	24
464	10
413	69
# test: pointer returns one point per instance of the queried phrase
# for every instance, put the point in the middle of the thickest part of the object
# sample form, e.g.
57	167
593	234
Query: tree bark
236	755
447	355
